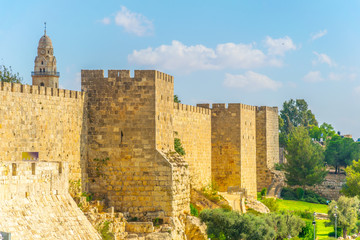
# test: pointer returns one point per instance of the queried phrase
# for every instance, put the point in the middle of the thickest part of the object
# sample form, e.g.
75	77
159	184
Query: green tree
6	75
340	152
176	99
294	114
352	186
305	165
347	212
324	131
222	224
284	224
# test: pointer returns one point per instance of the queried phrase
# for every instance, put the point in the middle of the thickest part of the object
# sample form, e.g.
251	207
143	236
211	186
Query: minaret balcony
49	73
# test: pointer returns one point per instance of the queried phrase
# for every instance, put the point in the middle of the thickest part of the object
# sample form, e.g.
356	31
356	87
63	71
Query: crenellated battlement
33	178
266	108
189	108
229	106
40	90
152	74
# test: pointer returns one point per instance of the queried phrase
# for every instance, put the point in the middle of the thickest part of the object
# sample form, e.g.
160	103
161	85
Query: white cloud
319	34
132	22
279	46
239	56
251	81
178	56
323	58
357	90
106	21
342	76
314	76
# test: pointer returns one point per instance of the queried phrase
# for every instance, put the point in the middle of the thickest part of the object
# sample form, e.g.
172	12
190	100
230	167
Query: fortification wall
234	146
248	148
267	144
128	123
35	204
43	120
192	125
225	145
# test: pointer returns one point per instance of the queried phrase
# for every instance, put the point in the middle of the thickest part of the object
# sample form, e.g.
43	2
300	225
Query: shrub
288	194
223	224
279	166
300	193
308	195
178	147
285	224
105	231
306	214
258	196
307	231
88	196
271	203
263	192
193	210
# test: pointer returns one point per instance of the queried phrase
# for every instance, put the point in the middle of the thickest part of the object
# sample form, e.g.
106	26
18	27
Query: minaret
45	73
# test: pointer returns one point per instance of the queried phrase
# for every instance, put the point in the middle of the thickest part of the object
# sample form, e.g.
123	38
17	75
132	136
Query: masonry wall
129	123
44	120
248	148
234	146
192	125
35	203
267	143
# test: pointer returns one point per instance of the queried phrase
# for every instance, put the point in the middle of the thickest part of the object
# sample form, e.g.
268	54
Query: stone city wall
248	148
192	125
330	188
267	144
35	203
129	122
44	120
233	146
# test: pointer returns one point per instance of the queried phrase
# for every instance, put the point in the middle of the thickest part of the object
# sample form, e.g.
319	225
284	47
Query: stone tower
45	73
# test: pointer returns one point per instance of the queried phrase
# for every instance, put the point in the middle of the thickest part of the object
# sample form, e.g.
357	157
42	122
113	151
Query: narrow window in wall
121	135
42	84
14	169
55	85
33	168
60	167
42	62
40	70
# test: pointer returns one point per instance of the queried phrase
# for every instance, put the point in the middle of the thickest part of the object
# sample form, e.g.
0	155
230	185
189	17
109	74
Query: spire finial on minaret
45	28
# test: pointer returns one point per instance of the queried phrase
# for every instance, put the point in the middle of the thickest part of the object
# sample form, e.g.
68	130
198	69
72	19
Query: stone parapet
35	204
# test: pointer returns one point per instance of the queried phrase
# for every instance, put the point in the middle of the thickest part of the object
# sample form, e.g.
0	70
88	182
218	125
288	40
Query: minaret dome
45	73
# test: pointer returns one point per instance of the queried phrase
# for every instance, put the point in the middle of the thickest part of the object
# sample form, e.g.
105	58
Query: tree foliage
322	132
340	152
284	224
223	224
177	99
305	165
347	213
352	186
231	225
7	75
295	113
178	147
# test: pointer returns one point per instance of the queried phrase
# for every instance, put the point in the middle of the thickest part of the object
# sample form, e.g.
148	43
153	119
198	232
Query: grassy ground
299	205
321	229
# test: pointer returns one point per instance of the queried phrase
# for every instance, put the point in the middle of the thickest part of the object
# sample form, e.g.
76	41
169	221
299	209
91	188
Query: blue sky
253	52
